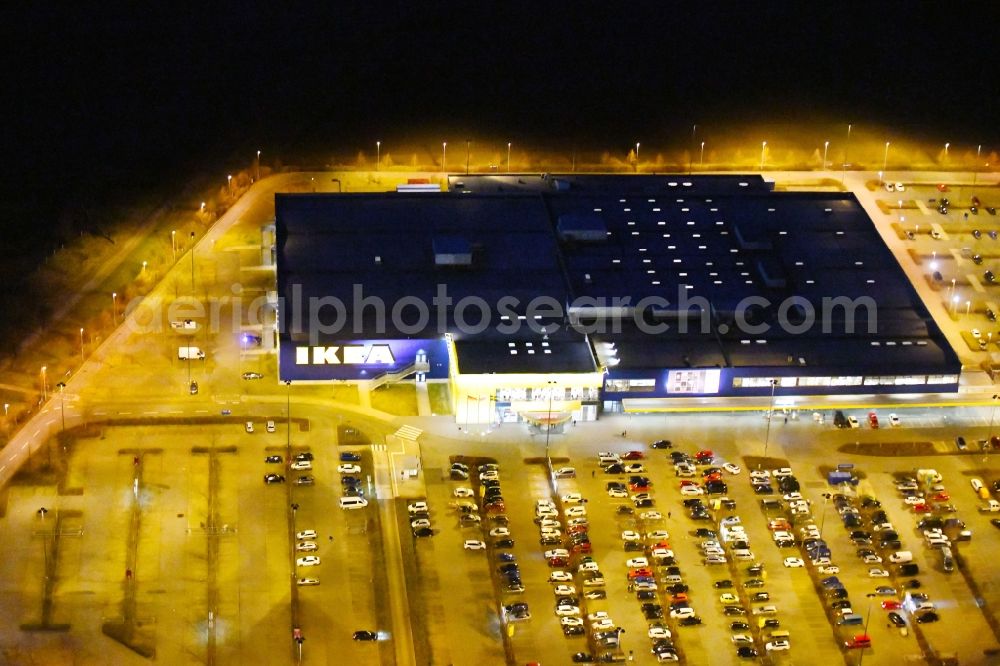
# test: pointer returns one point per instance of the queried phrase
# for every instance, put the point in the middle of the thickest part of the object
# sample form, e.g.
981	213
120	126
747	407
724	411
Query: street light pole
288	412
637	157
83	356
975	167
701	159
868	619
826	148
173	245
770	416
45	384
548	429
378	155
444	155
258	165
989	438
508	157
885	158
229	184
114	307
192	264
847	147
62	404
763	147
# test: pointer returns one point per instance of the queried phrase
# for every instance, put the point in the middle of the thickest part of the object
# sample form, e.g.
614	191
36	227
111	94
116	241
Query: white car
651	515
657	631
741	639
976	334
629	535
571	621
572	498
683	470
877	573
794	562
588	566
635	468
661	554
563	610
556	552
306	534
270	426
828	570
893	420
300	465
777	645
546	512
637	562
560	577
617	493
645	585
419	523
249	426
489	475
900	187
307	561
565	473
793	497
550	533
889	187
499	532
462	491
306	546
474	544
761	474
731	468
692	490
782	472
307	581
678	613
852	420
576	511
715	559
564	590
728	598
349	469
658	535
544	504
417	507
603	624
599	615
916	499
549	524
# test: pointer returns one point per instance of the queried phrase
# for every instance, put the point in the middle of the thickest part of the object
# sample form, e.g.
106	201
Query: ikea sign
373	354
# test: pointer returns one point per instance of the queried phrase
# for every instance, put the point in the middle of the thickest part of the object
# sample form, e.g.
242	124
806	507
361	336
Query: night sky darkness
99	102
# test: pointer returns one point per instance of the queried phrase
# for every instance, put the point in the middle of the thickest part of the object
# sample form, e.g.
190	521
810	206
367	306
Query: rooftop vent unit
452	251
581	227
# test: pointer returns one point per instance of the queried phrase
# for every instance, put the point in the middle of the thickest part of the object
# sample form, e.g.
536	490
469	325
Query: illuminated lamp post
508	157
826	148
229	184
114	307
885	158
444	155
701	159
763	148
871	597
847	147
173	245
770	415
45	384
637	156
83	357
378	155
258	165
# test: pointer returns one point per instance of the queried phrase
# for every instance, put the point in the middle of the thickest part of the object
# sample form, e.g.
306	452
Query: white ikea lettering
346	355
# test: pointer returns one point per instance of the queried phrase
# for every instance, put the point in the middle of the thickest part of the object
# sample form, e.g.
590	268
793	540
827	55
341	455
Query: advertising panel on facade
361	359
702	381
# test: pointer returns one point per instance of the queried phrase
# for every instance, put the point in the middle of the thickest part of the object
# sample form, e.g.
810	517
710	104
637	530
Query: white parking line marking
148	413
124	413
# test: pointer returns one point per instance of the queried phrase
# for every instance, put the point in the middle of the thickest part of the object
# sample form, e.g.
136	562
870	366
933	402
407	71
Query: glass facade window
631	385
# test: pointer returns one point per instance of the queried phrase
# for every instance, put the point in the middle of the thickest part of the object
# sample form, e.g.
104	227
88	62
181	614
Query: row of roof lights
529	347
893	343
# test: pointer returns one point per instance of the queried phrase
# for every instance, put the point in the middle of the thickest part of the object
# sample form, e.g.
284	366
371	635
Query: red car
576	529
558	562
639	573
688	482
941	496
712	477
873	420
942	187
705	454
921	508
891	604
661	544
583	547
639	488
633	455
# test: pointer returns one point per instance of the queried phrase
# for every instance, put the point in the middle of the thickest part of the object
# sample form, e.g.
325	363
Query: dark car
364	635
911	584
722	584
305	480
304	455
927	617
661	444
273	478
869	502
273	459
689	621
990	277
705	533
423	532
760	596
755	569
677	588
347	456
837	593
504	543
739	626
652	611
699	514
644	503
746	652
350	481
645	595
572	631
771	623
763	489
614	468
752	583
897	619
583	658
692	502
734	610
